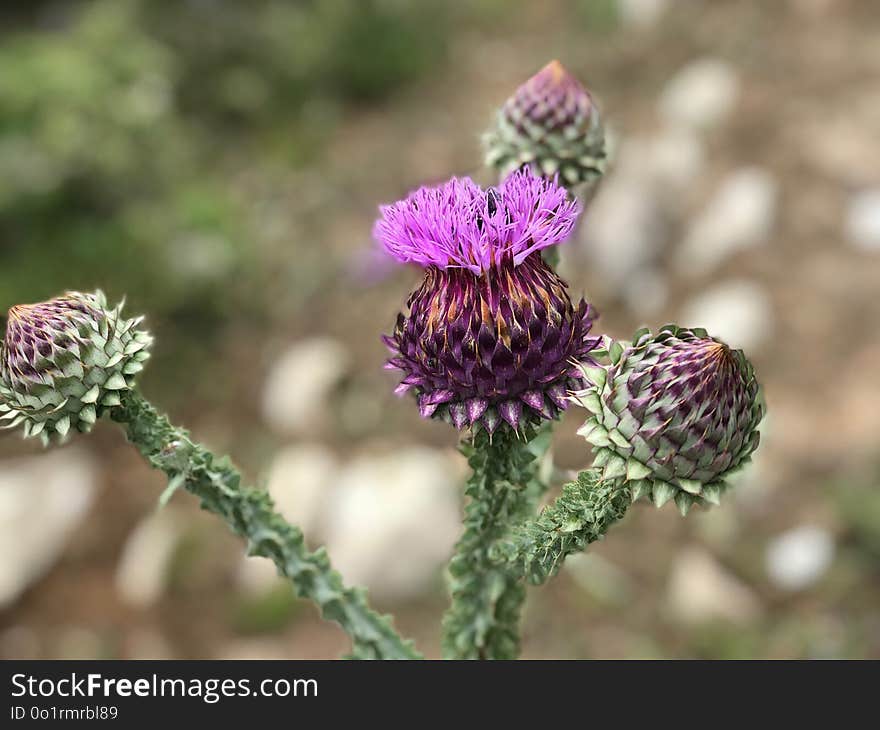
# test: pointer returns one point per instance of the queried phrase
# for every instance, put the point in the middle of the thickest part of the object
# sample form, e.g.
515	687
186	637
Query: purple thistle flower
457	224
491	336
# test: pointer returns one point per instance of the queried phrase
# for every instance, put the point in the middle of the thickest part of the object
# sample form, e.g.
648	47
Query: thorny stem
250	514
487	597
582	514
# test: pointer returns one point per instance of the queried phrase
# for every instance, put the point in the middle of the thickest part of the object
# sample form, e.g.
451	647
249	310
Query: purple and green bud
65	361
551	125
674	414
491	336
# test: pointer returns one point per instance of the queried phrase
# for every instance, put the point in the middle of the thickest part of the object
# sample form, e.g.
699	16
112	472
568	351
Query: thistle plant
491	342
551	125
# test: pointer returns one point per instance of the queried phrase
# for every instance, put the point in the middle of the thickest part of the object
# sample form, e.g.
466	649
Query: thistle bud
63	362
674	414
491	336
551	125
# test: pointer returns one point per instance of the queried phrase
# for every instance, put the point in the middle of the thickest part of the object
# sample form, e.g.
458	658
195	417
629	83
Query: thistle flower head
675	413
64	361
551	124
460	225
491	335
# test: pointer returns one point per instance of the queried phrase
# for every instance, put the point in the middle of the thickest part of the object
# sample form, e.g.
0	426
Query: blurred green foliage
124	123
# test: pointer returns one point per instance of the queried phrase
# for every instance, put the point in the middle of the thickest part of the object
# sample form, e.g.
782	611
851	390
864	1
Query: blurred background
220	163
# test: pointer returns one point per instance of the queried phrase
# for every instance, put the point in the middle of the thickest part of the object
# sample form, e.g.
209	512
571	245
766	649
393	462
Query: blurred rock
296	389
675	158
142	571
395	518
863	220
739	216
666	162
799	557
624	229
700	589
299	479
641	13
42	500
646	292
701	94
738	311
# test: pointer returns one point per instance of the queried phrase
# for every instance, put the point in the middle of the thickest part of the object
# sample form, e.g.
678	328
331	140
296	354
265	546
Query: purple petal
533	399
476	407
437	397
511	411
426	409
558	395
458	412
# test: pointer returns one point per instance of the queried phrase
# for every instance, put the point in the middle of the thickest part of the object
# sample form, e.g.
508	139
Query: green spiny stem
250	514
483	620
582	514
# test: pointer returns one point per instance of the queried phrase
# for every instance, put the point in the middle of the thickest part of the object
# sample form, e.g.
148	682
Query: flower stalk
582	514
487	597
250	514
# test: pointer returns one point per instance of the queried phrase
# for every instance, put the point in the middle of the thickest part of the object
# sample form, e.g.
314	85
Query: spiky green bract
250	514
674	413
551	125
483	621
65	361
581	515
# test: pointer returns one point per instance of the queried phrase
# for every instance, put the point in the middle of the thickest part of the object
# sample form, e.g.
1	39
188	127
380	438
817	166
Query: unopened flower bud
65	361
550	124
674	414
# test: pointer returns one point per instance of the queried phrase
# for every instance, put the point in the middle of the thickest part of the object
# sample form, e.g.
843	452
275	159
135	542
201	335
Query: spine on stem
487	597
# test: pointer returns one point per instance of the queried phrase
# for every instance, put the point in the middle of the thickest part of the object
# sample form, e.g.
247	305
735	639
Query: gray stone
297	387
641	14
623	230
142	571
393	519
798	558
42	500
701	94
863	220
700	589
739	216
737	311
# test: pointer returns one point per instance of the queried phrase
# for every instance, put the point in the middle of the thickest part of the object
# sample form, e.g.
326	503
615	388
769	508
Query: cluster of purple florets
491	335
